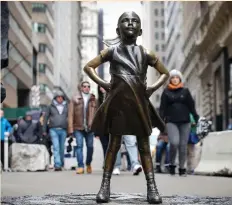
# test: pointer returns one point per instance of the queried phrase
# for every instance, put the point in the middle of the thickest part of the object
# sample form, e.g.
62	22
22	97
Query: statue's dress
127	109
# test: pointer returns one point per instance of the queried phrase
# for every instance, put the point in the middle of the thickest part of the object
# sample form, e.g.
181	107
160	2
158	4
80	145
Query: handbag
193	138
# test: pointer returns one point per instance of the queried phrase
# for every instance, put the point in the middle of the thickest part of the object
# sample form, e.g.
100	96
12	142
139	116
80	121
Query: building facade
89	38
153	39
57	40
207	30
18	78
174	40
43	49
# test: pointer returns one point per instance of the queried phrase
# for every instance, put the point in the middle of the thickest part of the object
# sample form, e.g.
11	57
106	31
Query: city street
189	189
68	188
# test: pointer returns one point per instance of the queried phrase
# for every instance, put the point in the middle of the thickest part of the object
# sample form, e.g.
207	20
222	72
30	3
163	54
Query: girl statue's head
128	29
129	26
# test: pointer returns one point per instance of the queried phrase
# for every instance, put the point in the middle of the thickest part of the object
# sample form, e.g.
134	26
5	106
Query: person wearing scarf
176	105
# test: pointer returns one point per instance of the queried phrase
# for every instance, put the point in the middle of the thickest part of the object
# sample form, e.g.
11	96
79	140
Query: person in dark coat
127	109
175	108
29	131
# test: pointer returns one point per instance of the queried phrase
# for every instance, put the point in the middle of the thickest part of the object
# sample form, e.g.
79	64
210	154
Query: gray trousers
178	135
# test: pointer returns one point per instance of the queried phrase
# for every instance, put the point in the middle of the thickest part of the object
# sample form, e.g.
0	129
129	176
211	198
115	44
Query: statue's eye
135	20
125	20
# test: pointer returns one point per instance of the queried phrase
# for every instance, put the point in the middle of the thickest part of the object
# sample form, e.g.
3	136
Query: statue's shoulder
106	54
147	51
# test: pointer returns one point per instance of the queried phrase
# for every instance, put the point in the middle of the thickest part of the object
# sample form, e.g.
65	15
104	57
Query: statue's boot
153	196
103	195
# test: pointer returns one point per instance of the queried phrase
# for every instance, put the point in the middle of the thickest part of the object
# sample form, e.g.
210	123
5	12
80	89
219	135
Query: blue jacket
5	127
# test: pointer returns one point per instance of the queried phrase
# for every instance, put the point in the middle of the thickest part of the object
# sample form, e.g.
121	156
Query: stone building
207	67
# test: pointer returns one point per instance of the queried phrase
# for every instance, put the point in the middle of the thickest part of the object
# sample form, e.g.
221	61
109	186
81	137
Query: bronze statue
127	109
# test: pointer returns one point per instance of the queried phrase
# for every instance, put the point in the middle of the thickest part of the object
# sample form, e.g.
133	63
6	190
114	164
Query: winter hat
175	72
58	93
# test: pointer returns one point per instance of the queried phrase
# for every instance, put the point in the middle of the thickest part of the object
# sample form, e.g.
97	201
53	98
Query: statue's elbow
86	68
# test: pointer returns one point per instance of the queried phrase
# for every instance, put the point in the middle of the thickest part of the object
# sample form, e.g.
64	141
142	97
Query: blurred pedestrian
29	131
230	124
82	109
161	147
5	130
57	114
131	147
193	140
176	105
45	139
15	127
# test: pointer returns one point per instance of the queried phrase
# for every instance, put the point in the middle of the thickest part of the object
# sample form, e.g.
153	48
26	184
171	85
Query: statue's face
129	25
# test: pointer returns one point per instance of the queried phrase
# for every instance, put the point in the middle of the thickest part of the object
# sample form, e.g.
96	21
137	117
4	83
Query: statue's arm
154	62
90	67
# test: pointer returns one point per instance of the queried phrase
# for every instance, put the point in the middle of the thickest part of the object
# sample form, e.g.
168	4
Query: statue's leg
103	195
153	196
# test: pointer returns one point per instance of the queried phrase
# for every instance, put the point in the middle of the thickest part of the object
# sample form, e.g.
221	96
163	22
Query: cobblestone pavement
119	198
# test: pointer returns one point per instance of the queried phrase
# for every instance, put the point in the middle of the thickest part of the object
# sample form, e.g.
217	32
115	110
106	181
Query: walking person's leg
145	155
159	152
117	164
79	151
190	158
128	162
167	150
184	136
114	146
89	144
56	148
130	143
174	140
62	138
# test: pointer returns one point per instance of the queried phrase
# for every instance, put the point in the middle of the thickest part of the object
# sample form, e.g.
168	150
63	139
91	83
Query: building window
38	7
156	12
42	67
163	36
39	27
163	47
157	47
42	47
162	24
162	12
156	35
156	24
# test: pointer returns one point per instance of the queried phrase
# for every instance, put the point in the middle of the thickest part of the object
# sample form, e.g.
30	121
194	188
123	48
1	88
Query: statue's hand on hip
106	86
